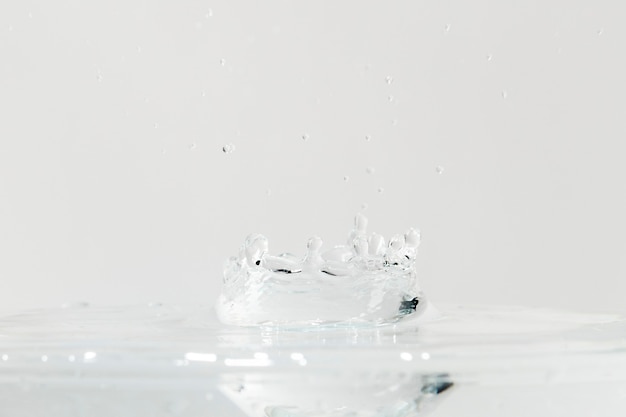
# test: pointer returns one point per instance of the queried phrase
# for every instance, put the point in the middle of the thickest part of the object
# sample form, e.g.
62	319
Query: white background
114	188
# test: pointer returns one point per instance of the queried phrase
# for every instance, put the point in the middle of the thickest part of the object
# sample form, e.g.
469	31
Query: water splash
364	281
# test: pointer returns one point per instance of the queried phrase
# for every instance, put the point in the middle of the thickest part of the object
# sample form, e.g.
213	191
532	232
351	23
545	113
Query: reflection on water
164	360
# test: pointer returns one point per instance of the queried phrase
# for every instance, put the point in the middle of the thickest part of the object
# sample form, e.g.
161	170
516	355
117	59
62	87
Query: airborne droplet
228	148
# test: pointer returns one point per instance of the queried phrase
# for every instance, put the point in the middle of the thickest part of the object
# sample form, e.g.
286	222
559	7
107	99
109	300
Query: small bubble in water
156	125
448	26
439	169
192	146
368	138
370	170
505	94
228	148
268	192
305	136
381	190
394	122
138	49
71	358
10	28
44	358
489	57
389	79
346	178
390	98
600	31
99	76
5	357
202	93
222	62
209	13
364	206
30	15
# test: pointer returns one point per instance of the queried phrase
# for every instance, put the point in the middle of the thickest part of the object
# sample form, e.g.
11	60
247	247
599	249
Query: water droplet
163	151
448	26
489	57
390	98
346	178
222	62
600	31
5	357
394	122
368	138
406	356
439	170
156	125
44	358
425	356
305	137
364	206
268	192
30	15
228	148
381	190
192	146
99	76
389	79
209	13
505	94
370	170
203	93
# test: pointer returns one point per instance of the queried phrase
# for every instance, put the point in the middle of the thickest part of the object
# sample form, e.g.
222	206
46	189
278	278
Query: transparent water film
367	280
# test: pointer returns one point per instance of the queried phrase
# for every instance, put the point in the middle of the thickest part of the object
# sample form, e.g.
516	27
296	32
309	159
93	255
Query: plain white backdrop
495	127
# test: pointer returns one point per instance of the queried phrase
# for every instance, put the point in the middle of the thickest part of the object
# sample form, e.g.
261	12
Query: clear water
365	281
163	360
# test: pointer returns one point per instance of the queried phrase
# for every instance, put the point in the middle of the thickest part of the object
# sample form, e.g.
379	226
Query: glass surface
167	360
